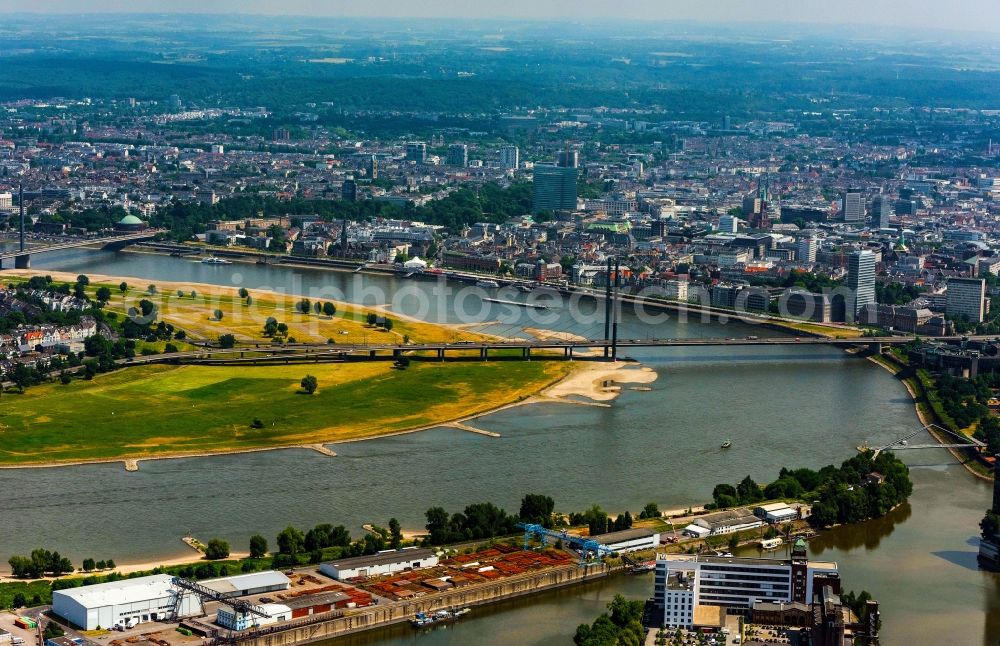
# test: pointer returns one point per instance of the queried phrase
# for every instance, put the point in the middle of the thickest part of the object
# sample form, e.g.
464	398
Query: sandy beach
600	381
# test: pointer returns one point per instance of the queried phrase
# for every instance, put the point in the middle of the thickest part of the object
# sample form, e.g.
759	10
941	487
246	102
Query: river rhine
803	406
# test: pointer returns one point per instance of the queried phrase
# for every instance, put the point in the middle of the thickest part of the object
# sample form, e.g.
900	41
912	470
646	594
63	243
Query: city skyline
962	15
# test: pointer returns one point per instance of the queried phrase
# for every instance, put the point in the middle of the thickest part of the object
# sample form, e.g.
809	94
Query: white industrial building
776	512
630	540
385	562
234	620
148	598
722	522
244	585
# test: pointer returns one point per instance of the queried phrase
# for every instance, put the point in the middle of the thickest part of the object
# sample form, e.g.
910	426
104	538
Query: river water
801	406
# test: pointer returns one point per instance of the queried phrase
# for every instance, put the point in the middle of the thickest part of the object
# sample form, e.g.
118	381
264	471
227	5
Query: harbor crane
239	606
584	545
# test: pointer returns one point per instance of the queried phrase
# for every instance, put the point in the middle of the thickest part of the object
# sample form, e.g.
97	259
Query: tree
123	287
82	280
990	525
304	306
103	294
169	348
387	324
218	315
88	565
227	341
258	546
147	308
329	308
395	534
371	318
152	289
309	384
217	549
437	525
110	564
249	301
282	329
291	541
244	293
651	510
537	508
318	307
270	326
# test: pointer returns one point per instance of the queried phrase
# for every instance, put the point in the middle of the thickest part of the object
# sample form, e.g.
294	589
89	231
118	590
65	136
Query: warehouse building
244	585
235	620
722	522
148	598
630	540
385	562
776	512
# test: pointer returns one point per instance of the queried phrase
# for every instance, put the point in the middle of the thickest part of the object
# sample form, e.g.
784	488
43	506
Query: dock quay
322	627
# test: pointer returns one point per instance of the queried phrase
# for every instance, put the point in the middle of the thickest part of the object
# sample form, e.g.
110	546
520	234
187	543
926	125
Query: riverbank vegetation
108	417
863	487
621	625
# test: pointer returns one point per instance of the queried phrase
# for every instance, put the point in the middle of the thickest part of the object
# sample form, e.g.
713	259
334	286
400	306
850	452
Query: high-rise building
966	299
6	202
174	102
685	582
372	168
554	188
806	251
349	190
510	157
458	155
568	159
861	280
280	134
882	207
729	224
416	151
852	206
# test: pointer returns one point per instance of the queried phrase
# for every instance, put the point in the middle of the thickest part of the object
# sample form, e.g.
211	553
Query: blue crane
584	545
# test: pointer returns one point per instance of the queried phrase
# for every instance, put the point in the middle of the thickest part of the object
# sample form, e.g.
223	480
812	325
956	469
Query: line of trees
40	563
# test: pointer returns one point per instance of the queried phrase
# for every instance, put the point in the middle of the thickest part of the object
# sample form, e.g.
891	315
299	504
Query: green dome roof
130	219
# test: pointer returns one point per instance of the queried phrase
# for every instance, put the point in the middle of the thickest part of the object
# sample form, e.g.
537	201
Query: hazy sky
976	15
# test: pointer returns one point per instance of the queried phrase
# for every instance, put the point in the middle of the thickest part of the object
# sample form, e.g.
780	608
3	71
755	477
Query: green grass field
173	410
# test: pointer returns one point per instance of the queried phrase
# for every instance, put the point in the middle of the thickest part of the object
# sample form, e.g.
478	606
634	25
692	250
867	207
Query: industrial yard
305	604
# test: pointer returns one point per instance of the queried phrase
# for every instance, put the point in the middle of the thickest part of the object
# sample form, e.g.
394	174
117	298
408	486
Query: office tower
568	159
510	157
416	151
806	251
729	224
280	134
554	188
458	155
6	202
861	279
966	299
218	149
853	206
372	167
349	190
174	102
881	209
727	123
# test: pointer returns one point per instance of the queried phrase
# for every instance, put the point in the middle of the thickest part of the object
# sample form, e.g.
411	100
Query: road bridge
325	352
22	257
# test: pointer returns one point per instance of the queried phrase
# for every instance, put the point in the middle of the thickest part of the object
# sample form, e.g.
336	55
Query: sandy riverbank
600	381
